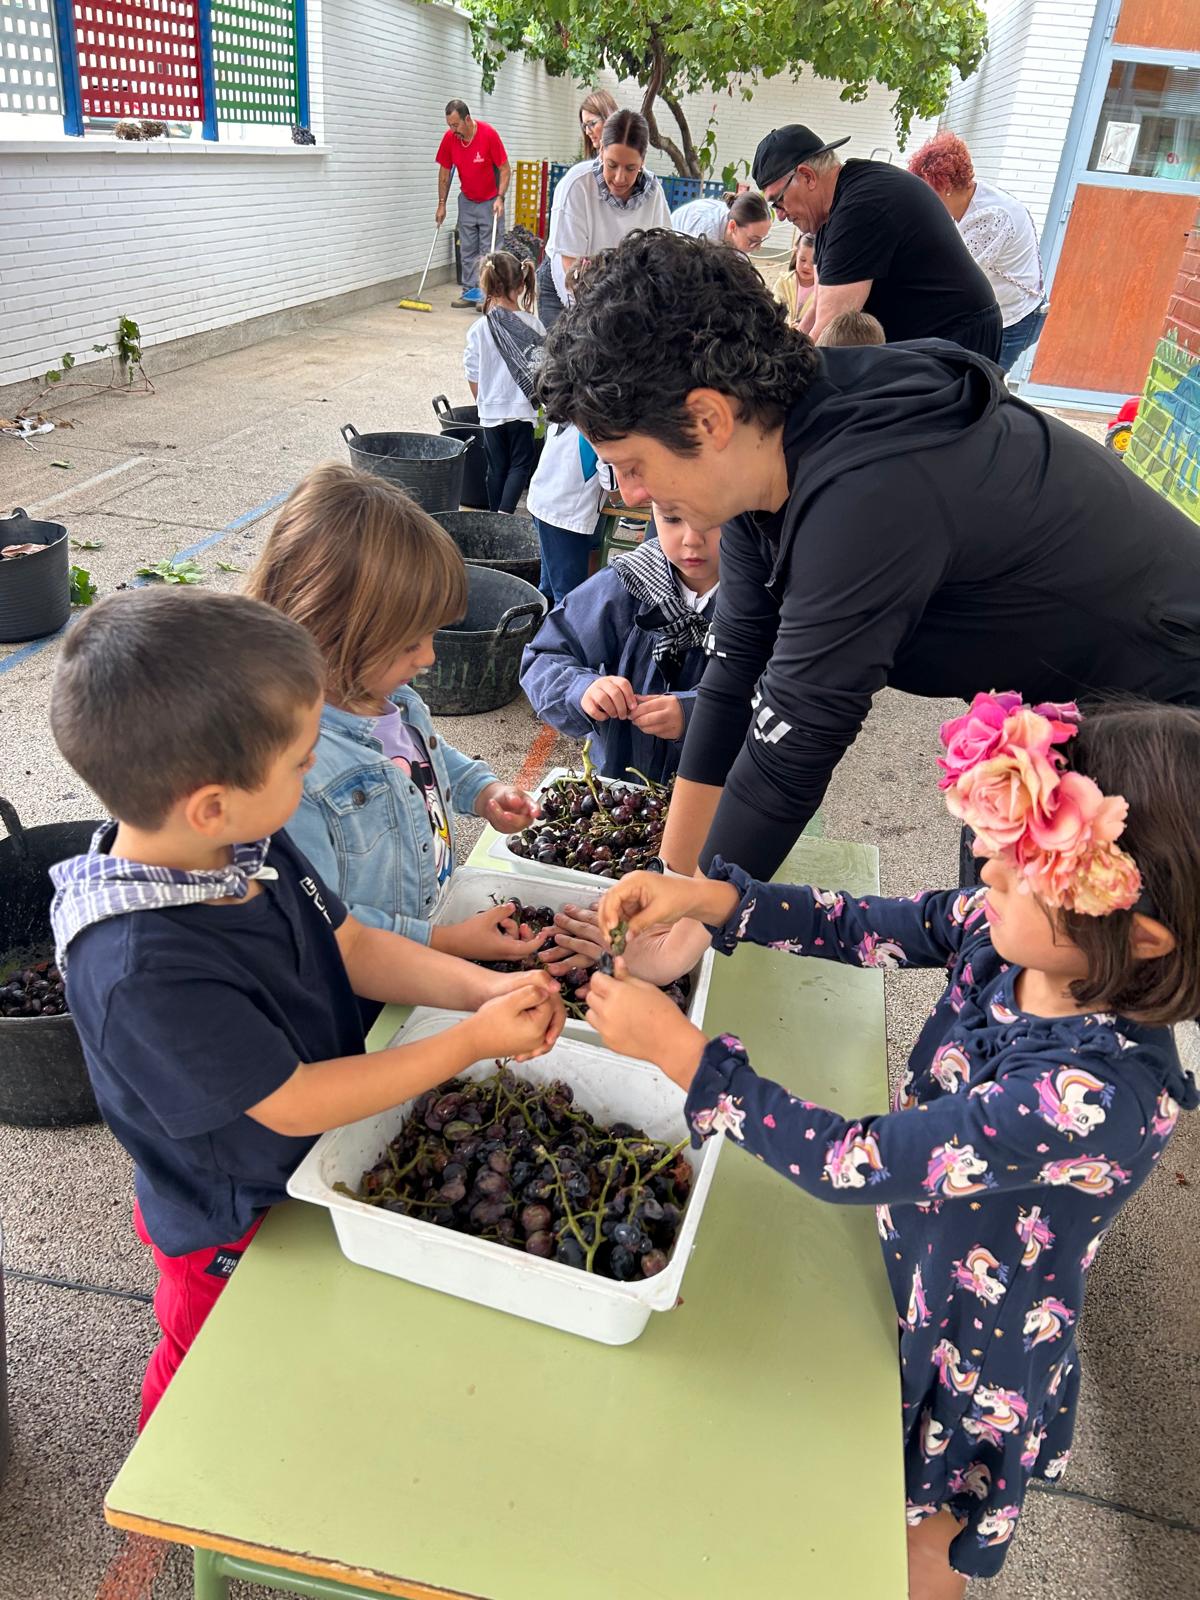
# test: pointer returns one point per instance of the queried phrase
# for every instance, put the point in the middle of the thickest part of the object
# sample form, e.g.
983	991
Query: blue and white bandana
96	886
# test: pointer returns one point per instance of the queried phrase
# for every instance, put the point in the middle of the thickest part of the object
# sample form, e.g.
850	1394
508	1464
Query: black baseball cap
784	149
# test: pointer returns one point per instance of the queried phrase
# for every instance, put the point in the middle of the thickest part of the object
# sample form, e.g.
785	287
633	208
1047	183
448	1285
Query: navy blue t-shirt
189	1015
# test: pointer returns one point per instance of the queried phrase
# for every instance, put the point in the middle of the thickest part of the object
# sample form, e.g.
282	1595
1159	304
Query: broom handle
428	260
495	220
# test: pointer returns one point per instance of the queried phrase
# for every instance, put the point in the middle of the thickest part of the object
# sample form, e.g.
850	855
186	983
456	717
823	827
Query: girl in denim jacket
372	578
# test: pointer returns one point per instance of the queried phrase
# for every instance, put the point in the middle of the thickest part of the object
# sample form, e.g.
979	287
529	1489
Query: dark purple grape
623	1264
535	1219
570	1252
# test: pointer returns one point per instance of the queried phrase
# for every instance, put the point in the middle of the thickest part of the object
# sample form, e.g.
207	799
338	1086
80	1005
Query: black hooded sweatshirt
939	536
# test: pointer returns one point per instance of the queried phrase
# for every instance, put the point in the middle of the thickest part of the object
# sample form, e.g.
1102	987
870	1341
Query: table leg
209	1582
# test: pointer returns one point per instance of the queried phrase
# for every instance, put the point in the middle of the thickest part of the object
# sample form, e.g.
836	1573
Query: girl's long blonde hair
362	568
503	277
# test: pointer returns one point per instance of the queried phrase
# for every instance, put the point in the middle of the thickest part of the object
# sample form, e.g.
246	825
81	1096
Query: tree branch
692	169
660	141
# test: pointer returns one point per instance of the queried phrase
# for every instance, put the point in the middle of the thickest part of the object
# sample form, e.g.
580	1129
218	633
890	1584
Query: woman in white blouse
999	233
742	220
598	202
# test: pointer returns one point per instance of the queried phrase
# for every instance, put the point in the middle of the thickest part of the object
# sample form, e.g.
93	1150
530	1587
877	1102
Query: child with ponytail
502	351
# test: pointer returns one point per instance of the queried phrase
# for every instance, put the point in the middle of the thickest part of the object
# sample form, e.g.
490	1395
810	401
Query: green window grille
29	78
255	61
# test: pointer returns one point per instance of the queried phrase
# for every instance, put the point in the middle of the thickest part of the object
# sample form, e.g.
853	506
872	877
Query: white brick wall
185	240
1013	112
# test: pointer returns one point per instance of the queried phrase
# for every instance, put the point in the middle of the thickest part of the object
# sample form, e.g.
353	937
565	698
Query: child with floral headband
1040	1094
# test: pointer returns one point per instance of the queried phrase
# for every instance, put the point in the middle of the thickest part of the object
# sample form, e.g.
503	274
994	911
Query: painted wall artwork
1165	446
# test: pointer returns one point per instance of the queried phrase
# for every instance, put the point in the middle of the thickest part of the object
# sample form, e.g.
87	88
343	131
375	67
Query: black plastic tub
427	466
35	590
462	422
491	539
4	1433
479	658
43	1081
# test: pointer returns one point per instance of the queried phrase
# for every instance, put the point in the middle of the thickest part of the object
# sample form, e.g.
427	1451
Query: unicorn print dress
1011	1145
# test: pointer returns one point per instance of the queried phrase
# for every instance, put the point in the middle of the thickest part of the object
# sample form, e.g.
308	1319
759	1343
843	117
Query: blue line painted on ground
38	645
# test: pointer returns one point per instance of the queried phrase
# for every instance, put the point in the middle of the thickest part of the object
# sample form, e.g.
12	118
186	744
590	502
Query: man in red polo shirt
476	150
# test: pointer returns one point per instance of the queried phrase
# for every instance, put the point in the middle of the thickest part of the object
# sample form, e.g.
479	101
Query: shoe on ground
473	296
467	305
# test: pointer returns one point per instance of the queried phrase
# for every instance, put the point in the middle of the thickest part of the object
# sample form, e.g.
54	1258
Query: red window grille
140	58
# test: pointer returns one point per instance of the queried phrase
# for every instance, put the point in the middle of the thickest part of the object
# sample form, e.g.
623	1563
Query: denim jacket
364	826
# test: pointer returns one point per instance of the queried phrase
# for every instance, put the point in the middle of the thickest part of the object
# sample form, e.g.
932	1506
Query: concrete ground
199	466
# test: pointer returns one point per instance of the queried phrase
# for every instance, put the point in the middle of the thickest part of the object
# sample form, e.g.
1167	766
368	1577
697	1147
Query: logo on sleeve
314	894
768	726
222	1263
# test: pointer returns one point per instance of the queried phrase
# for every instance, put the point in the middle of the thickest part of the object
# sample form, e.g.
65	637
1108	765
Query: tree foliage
912	47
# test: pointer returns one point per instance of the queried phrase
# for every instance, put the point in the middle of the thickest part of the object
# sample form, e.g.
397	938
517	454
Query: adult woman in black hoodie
890	516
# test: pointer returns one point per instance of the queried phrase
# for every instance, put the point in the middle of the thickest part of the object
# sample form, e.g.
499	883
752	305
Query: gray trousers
475	236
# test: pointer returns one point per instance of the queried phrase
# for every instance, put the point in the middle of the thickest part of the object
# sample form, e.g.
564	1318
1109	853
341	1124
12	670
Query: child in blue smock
620	659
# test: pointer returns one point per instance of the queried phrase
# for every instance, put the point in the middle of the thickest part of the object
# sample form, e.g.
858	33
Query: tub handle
441	406
349	432
13	824
516	614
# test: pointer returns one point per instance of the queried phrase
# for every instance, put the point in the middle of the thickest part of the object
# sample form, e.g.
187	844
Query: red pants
188	1287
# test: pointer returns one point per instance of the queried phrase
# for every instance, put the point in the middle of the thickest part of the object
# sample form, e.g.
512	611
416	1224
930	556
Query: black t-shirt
190	1015
889	226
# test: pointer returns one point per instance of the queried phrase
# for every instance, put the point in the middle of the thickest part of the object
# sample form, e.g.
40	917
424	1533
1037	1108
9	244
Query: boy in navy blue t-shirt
211	974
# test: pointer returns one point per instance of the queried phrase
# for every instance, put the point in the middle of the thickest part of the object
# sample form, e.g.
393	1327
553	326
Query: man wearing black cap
881	247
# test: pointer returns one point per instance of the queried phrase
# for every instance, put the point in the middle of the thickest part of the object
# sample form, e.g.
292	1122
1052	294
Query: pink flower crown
1003	773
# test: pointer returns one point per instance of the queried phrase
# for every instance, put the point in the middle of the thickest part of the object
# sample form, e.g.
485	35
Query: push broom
418	304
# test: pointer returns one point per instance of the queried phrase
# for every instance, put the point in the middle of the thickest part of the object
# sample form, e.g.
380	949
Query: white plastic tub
499	850
475	889
613	1089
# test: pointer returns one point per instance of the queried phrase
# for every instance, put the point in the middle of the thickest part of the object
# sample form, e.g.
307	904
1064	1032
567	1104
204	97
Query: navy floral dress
1011	1145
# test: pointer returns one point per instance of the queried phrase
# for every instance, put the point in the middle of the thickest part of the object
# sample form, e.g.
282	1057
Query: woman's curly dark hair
658	316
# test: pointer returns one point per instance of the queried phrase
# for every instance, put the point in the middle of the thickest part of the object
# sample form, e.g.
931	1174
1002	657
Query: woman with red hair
999	233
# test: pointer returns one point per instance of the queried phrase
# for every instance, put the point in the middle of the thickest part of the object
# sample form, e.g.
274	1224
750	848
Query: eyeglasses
592	124
776	204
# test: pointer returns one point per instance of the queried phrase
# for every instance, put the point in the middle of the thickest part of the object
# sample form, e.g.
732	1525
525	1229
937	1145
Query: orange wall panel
1167	24
1120	261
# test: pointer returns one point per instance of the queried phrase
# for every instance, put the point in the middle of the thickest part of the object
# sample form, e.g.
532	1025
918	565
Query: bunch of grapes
35	991
605	829
521	1164
539	918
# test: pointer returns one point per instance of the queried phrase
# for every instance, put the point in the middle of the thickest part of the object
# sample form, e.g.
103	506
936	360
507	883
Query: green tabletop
334	1420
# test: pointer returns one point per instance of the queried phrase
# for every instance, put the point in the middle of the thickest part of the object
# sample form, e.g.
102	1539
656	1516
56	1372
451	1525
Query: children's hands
491	935
660	715
635	1019
498	983
577	941
507	809
609	697
643	900
522	1024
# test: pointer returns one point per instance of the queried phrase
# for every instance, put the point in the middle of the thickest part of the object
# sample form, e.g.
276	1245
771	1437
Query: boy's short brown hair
364	569
852	327
161	691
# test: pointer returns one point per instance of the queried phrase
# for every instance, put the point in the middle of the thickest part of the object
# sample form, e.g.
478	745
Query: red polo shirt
477	162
